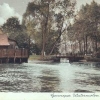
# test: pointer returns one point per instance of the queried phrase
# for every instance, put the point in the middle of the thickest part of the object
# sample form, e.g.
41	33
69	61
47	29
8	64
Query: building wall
3	47
13	44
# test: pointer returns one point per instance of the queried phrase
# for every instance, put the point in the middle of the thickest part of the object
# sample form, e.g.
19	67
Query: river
50	77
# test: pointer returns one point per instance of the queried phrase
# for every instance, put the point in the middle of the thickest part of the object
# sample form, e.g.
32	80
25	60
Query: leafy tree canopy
45	20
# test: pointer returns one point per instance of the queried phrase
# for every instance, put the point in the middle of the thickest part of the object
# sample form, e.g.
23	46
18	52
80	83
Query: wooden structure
9	51
13	55
71	58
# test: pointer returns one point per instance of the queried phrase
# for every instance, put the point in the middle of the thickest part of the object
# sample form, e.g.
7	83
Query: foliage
44	21
34	49
11	27
85	28
15	31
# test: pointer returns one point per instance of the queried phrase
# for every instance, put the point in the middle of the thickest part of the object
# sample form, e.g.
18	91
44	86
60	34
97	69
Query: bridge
70	57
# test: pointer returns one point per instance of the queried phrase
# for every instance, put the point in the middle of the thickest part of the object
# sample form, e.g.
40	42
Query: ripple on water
50	77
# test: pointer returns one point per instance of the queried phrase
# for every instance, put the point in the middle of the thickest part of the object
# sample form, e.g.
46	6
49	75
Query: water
55	77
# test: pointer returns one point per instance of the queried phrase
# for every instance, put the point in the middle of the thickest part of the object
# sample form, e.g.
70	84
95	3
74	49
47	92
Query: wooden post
14	59
1	53
15	56
1	60
7	60
20	60
29	48
21	55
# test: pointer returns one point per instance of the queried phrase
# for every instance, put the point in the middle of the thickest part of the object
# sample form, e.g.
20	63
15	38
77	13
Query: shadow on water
92	82
88	77
79	90
49	81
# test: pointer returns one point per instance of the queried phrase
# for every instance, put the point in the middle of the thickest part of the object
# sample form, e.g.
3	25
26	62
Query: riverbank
34	57
46	59
38	59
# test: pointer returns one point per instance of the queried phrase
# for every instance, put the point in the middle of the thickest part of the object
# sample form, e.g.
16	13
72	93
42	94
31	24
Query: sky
18	7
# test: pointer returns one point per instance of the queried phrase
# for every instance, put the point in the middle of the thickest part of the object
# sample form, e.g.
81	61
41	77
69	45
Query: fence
12	53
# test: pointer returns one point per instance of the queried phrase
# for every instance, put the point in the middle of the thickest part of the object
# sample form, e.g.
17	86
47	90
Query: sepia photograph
49	49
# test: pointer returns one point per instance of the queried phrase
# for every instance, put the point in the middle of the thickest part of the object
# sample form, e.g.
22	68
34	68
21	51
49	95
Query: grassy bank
39	57
35	57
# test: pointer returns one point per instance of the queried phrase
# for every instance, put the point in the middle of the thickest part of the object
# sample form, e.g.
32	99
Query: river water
50	77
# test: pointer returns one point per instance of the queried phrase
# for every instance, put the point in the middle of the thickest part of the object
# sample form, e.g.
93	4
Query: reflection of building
9	51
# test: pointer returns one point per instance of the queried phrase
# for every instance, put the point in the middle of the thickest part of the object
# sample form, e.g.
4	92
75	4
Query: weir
71	58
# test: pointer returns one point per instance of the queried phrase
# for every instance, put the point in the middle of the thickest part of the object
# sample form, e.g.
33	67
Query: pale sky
18	7
80	2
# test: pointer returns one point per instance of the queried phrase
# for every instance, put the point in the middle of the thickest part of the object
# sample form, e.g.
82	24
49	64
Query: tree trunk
44	32
86	44
55	42
80	50
60	33
29	47
96	45
43	44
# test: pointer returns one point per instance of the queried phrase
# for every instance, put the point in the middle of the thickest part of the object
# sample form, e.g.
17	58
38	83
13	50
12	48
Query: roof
4	40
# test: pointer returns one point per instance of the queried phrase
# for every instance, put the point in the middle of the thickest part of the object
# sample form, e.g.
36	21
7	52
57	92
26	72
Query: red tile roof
4	40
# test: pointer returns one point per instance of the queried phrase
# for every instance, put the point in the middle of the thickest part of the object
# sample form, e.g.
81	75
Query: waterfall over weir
64	60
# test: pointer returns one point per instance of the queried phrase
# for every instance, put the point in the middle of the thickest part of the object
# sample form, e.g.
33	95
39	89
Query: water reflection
49	81
55	77
88	77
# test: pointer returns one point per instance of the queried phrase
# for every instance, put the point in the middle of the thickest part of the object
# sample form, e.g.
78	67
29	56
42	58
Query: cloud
6	12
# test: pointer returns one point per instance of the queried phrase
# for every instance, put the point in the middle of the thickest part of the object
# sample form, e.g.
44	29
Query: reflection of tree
50	81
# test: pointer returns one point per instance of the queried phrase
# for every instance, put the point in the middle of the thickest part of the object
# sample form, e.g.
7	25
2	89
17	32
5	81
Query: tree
85	27
94	17
48	16
15	31
12	27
